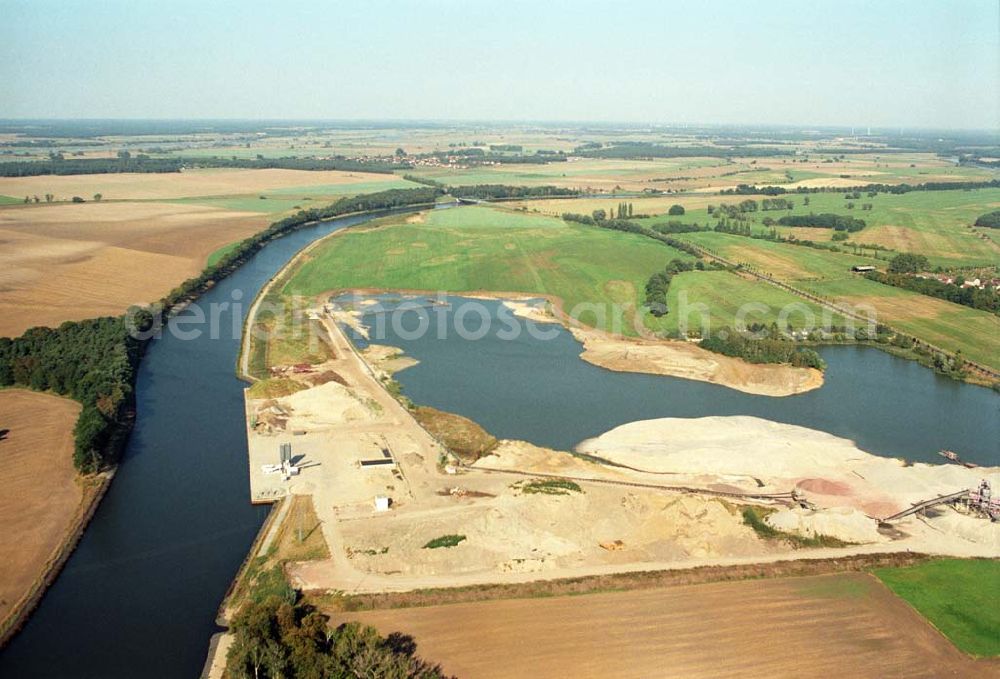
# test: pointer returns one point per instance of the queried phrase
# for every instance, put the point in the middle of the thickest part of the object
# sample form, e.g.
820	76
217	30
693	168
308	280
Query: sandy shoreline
689	361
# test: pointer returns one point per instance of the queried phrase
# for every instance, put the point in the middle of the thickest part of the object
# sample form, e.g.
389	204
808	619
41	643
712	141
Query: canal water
538	390
138	597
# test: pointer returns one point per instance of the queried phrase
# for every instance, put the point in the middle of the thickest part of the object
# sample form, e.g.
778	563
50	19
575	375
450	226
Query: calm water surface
540	391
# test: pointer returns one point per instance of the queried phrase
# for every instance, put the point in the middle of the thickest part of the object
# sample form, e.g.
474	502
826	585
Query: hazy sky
878	62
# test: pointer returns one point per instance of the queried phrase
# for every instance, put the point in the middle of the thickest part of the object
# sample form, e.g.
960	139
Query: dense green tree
908	263
772	348
990	220
275	639
658	284
493	191
825	220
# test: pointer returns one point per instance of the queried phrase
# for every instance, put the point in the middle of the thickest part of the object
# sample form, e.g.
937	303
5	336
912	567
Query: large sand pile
327	405
830	471
684	359
968	528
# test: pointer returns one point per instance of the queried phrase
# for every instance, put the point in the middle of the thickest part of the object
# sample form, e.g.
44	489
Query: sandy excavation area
75	261
686	360
846	624
41	494
605	523
521	532
337	416
846	484
189	183
673	496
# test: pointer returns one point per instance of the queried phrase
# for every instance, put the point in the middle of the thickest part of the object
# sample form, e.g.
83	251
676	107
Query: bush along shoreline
772	348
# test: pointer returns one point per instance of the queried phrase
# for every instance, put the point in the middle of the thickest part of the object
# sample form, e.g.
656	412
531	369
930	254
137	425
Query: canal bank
148	574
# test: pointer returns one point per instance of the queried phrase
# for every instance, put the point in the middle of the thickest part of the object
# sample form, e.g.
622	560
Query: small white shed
382	503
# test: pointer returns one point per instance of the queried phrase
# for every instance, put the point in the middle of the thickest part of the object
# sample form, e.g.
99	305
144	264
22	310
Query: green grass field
958	596
781	260
950	326
10	200
723	294
937	224
827	274
483	249
221	252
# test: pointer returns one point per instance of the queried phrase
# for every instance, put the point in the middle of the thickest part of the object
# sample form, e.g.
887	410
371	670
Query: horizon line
866	130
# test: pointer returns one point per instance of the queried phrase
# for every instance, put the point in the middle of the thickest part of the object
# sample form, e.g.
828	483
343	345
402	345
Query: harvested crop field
652	205
71	261
844	624
214	182
950	326
41	495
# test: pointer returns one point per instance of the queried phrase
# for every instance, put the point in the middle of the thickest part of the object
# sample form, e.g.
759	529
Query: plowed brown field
40	494
71	261
155	185
831	625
